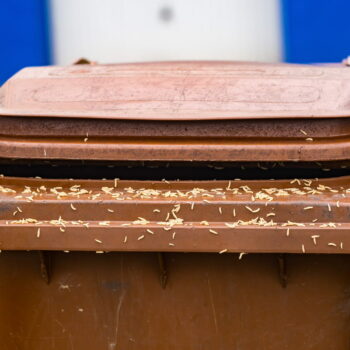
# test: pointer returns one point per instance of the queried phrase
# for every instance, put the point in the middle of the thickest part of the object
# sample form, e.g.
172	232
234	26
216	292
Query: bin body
211	301
175	206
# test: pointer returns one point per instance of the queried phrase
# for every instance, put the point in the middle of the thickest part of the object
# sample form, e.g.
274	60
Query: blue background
316	30
24	35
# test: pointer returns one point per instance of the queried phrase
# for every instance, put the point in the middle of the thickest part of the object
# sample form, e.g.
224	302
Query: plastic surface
179	91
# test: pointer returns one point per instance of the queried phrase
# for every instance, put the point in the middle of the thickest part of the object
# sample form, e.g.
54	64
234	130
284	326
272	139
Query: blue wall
23	35
316	30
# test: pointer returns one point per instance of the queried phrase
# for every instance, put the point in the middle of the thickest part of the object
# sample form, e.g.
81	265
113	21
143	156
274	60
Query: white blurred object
347	61
150	30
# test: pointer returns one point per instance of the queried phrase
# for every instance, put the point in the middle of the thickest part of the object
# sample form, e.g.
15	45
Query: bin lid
178	91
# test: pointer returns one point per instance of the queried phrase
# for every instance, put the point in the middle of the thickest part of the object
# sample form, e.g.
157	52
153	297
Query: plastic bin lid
178	91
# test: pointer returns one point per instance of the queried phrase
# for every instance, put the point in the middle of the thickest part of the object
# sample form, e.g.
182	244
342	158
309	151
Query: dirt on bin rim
276	216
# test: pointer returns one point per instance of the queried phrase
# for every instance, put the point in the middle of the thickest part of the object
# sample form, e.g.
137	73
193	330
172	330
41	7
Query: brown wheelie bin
176	205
